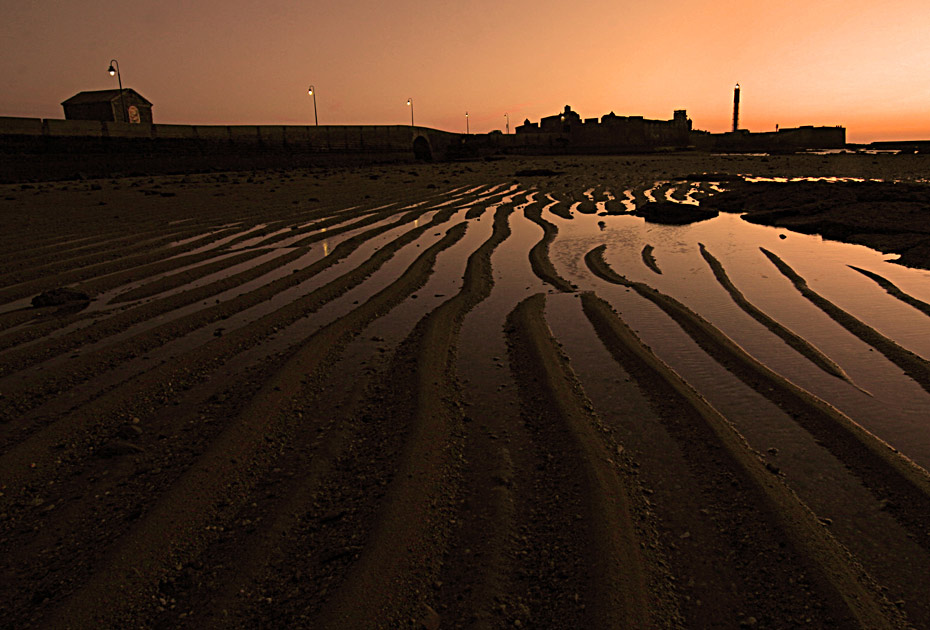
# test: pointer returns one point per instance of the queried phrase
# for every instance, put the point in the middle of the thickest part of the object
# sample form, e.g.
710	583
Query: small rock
129	431
58	297
430	619
117	448
335	515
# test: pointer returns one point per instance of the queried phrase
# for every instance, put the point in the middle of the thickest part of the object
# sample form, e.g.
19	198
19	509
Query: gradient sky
858	63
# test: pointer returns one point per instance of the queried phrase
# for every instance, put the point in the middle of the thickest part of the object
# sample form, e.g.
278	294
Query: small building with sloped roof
109	106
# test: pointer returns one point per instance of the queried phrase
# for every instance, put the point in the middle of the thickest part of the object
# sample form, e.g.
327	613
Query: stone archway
422	150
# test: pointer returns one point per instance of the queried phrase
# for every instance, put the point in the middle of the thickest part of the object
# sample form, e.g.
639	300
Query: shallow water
895	407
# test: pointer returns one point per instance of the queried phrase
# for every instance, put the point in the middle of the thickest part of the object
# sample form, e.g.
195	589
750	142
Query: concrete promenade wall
33	148
318	138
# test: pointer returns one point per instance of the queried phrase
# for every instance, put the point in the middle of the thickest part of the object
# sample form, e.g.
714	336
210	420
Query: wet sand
454	395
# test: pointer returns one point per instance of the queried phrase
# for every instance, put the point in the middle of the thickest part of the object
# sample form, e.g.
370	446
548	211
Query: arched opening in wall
421	149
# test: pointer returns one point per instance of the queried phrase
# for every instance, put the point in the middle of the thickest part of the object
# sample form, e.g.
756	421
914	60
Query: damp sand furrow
91	267
804	347
149	235
480	568
913	365
401	556
303	520
177	280
888	474
34	256
649	259
200	240
172	529
44	325
345	504
374	218
894	291
639	196
539	253
159	383
612	573
850	596
20	359
26	394
27	397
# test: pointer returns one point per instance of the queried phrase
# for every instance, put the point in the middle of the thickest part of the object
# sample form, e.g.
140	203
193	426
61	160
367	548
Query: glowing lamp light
114	70
316	120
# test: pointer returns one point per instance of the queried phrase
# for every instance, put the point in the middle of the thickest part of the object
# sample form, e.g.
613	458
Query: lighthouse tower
736	108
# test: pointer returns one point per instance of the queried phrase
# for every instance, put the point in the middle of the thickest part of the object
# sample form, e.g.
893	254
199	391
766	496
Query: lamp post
410	103
122	99
313	94
507	118
466	124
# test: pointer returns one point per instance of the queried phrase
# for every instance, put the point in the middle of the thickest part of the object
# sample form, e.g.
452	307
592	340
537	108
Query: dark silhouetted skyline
851	62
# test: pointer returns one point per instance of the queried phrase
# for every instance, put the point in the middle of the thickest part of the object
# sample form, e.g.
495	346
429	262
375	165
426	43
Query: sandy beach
480	394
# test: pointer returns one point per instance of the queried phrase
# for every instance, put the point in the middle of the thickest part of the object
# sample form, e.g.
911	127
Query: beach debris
59	297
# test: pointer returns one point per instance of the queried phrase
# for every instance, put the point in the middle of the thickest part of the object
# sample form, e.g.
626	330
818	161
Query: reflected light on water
808	179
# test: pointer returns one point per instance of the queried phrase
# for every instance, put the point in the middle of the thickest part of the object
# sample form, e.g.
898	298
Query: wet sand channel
452	396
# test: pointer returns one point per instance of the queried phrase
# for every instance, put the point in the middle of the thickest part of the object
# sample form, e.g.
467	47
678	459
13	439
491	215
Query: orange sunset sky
861	64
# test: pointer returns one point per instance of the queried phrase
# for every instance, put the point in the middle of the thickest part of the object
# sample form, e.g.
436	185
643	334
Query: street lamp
466	124
122	98
506	116
313	94
410	103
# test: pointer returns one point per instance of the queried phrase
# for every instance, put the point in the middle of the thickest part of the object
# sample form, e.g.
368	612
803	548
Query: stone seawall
37	149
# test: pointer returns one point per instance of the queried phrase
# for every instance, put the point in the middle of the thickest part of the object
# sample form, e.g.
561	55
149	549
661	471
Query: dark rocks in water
729	201
59	297
887	216
670	213
538	172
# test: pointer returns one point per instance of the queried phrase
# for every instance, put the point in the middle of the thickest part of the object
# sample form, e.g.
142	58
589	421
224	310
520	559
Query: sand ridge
257	418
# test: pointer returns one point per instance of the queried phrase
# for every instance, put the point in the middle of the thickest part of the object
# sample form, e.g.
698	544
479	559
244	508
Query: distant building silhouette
567	132
611	133
107	106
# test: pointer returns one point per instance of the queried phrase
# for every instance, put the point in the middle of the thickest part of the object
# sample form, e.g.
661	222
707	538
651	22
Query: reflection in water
898	410
326	248
808	179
